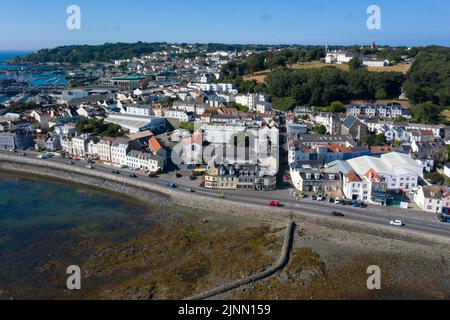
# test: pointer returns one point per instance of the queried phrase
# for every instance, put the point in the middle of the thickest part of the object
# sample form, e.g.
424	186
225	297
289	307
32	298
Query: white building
179	115
140	110
119	151
137	123
429	199
399	171
338	57
145	161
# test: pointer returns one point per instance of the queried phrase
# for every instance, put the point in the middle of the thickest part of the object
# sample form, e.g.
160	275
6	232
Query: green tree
337	107
320	129
381	94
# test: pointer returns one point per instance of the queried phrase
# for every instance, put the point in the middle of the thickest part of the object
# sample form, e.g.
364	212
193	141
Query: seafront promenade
146	189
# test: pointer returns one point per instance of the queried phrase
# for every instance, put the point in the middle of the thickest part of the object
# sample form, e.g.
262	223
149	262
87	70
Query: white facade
144	161
429	199
119	151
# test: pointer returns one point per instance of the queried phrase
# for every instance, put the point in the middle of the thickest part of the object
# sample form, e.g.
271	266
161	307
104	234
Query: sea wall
152	193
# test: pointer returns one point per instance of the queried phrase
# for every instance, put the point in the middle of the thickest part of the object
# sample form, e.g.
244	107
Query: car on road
443	218
89	166
189	190
116	172
171	185
221	196
397	223
70	162
153	175
132	175
337	214
274	203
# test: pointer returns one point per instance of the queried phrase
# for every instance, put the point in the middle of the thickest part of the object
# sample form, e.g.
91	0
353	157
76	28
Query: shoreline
144	191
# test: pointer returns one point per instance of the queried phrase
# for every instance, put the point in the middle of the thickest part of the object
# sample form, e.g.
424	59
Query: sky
32	25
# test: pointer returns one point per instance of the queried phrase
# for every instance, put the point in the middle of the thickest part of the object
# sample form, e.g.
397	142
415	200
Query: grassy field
403	68
261	76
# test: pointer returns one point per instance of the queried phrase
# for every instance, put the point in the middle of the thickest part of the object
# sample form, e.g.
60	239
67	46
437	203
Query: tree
338	107
354	64
320	129
426	113
381	94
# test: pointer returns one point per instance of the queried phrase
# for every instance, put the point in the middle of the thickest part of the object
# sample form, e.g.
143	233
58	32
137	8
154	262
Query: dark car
132	175
337	214
171	185
116	171
314	197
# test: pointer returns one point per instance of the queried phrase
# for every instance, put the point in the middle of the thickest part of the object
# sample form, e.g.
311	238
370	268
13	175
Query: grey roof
350	121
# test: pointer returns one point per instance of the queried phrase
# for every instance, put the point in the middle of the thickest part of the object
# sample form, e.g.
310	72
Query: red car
275	204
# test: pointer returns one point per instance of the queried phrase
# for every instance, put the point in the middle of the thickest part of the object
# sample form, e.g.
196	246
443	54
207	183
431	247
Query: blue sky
31	24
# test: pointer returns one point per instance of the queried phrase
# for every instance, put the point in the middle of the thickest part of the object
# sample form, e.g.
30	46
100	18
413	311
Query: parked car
320	198
275	203
337	201
337	214
314	197
443	219
153	175
397	223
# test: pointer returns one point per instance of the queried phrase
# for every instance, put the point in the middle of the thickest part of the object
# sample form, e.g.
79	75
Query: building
306	179
355	128
145	161
376	179
429	199
137	123
16	140
338	57
244	177
130	82
179	115
119	151
330	121
373	61
312	140
324	153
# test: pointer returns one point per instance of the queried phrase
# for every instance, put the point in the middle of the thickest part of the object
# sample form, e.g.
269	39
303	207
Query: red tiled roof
154	145
353	177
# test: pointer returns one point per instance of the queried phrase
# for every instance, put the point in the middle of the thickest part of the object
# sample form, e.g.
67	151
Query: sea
47	78
43	221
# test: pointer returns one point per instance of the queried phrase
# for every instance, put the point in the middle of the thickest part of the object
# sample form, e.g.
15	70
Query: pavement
381	216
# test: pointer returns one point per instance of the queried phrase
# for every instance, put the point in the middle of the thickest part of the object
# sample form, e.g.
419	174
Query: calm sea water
6	55
39	220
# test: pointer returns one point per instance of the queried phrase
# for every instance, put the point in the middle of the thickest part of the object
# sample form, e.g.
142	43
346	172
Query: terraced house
249	177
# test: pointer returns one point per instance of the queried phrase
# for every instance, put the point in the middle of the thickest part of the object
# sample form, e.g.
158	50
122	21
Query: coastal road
414	220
